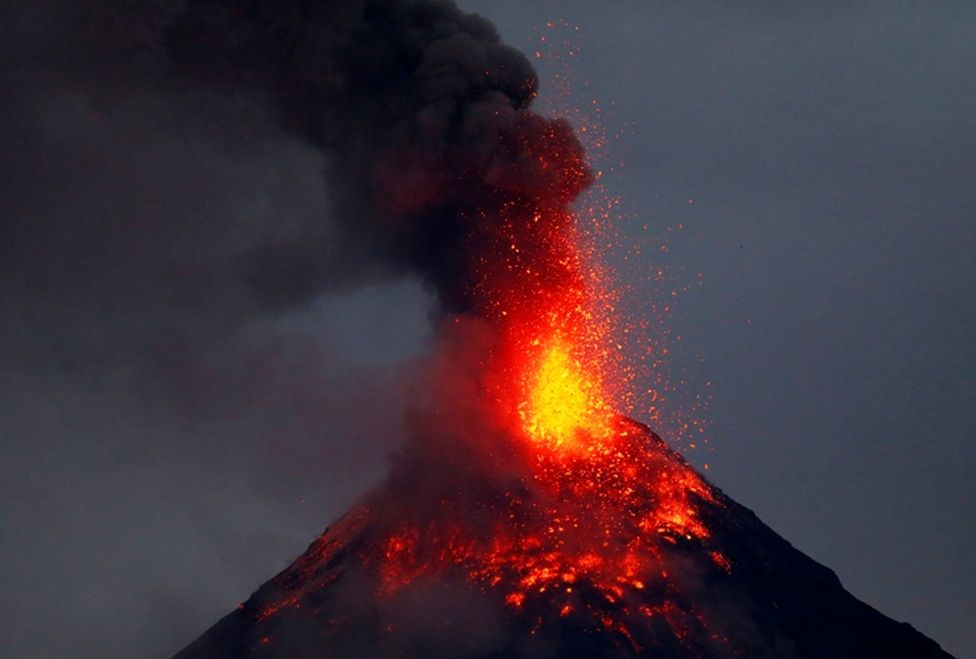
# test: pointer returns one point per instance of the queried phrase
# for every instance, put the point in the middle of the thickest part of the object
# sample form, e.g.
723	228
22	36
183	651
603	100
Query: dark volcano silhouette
715	583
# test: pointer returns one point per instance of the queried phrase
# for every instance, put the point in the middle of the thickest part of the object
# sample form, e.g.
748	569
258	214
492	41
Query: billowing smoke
166	225
423	116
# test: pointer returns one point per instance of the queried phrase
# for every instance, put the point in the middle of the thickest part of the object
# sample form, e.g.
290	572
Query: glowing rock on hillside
617	550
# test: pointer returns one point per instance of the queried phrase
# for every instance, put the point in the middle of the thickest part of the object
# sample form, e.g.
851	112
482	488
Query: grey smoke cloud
423	118
157	418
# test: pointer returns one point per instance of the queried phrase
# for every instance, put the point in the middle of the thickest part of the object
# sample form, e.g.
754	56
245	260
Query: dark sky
168	443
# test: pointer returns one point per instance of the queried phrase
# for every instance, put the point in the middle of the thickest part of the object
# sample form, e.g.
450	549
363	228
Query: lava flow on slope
615	549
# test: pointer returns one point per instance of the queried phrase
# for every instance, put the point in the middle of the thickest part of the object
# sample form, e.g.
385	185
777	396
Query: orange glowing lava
564	400
551	371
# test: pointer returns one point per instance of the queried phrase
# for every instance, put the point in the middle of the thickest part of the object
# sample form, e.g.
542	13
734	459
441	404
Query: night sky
170	441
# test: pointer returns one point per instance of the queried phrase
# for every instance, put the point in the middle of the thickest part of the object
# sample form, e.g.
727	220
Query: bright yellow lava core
562	400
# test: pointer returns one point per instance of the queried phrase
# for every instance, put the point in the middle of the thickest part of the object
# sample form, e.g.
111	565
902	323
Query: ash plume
424	119
165	203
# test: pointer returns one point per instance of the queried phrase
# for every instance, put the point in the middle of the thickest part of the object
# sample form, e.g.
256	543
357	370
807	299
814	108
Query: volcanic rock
624	551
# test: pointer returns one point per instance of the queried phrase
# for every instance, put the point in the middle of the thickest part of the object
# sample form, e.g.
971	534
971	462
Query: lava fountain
576	523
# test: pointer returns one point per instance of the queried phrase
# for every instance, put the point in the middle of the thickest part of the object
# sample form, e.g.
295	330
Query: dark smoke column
423	117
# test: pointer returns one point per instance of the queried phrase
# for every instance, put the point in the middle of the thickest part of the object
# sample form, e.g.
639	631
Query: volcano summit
622	550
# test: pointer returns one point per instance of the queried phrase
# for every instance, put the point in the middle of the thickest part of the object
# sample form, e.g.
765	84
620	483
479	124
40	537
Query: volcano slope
613	548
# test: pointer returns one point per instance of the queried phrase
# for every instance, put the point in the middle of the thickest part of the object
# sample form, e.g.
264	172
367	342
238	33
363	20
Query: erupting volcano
524	517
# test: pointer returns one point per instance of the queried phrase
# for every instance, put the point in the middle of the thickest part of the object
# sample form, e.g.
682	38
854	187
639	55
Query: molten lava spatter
616	550
564	403
583	535
551	369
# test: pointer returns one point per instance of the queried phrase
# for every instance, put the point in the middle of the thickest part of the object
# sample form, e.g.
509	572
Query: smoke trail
424	118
